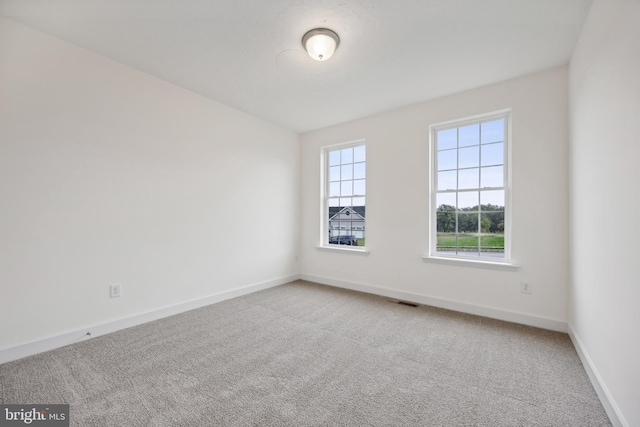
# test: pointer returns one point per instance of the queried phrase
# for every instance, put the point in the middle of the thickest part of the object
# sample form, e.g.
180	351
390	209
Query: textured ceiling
248	53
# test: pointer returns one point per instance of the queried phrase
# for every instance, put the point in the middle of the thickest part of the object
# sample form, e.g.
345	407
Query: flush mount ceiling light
320	43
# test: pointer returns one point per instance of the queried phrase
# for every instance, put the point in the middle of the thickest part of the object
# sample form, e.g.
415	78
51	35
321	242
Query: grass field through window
470	241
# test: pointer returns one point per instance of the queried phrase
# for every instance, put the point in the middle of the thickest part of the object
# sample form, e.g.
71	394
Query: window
344	198
469	197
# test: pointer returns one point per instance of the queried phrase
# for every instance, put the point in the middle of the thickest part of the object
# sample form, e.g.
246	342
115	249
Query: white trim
324	184
352	143
610	406
506	114
62	339
454	123
358	250
478	310
463	262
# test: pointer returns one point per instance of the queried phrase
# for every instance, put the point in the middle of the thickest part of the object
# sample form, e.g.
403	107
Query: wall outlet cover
115	290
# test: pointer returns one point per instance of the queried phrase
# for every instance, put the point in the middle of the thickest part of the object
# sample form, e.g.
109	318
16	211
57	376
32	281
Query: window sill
471	263
350	249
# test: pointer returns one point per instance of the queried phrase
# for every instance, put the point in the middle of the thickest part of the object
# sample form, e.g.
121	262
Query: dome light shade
320	43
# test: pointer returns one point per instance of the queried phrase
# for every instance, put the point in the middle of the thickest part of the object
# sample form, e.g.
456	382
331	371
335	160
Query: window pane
334	173
492	154
469	135
492	200
492	222
334	158
347	172
359	153
493	131
359	187
346	188
492	239
446	243
447	180
468	245
358	201
469	157
468	200
345	201
347	155
447	159
468	178
359	170
447	139
334	203
468	223
334	189
492	246
446	200
492	177
446	222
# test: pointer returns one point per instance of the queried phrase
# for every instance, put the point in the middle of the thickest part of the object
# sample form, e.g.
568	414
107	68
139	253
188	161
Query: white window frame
504	263
325	183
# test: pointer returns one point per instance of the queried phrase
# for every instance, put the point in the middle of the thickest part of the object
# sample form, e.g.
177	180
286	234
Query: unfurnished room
319	213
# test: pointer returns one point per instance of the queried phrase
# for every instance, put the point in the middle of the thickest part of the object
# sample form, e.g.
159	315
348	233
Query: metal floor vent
408	304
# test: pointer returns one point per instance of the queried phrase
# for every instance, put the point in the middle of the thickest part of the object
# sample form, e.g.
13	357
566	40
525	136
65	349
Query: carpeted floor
303	354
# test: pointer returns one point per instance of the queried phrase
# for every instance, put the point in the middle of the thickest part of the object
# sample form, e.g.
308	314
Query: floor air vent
408	304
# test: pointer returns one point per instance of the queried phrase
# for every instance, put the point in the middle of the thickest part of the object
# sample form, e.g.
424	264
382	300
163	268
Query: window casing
344	207
470	200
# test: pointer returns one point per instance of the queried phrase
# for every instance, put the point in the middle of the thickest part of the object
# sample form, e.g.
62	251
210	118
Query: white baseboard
610	406
479	310
62	339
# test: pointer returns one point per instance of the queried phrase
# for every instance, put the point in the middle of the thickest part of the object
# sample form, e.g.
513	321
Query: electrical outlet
525	288
115	290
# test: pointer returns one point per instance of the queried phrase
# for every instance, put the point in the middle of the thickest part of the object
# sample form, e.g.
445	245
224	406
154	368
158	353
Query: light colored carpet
303	354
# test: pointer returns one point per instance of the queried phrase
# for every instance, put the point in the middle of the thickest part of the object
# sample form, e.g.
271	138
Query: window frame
457	258
325	197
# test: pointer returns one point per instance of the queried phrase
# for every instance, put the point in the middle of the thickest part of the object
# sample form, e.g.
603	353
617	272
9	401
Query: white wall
605	151
398	185
109	175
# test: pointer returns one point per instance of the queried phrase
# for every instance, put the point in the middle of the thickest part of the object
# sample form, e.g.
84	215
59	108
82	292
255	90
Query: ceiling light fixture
320	43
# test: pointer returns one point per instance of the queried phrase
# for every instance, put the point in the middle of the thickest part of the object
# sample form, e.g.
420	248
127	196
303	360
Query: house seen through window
469	189
345	194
